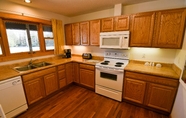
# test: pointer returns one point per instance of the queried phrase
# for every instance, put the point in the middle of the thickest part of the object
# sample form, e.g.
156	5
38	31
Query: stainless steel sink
32	66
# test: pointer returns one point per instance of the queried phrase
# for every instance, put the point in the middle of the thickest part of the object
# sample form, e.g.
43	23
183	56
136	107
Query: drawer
86	66
61	74
39	73
62	83
151	78
60	67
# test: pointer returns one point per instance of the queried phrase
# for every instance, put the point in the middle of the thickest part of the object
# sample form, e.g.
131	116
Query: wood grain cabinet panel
51	83
76	72
69	72
170	27
142	28
107	24
160	97
75	34
34	90
134	90
68	34
62	76
87	78
94	32
153	92
87	75
84	33
121	23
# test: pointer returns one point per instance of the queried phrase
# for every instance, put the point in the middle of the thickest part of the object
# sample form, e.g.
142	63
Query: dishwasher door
12	97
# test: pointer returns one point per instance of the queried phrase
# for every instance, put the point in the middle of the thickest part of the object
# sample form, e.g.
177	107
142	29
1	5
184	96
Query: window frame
7	56
52	38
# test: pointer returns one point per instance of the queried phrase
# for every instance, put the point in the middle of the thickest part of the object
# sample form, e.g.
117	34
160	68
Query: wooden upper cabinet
75	34
94	32
142	27
121	23
68	34
84	33
170	27
107	24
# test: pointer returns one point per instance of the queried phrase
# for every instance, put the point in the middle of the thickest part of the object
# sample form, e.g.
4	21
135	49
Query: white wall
9	7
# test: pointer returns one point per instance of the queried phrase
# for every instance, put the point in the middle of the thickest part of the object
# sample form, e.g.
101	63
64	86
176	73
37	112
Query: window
22	37
48	36
1	53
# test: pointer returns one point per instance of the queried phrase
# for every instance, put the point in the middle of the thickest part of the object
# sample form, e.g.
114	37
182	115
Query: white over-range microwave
114	40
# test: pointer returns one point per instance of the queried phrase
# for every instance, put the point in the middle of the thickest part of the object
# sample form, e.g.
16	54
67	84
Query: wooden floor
78	102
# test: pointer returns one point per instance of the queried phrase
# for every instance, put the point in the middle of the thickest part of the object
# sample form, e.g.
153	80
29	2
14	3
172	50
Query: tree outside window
22	37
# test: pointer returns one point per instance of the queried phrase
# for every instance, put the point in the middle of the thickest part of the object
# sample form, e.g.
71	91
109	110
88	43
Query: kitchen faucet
31	61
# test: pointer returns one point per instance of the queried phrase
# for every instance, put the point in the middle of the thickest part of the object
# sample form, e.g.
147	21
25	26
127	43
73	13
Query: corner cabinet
170	28
153	92
39	84
69	72
68	34
76	72
87	75
142	28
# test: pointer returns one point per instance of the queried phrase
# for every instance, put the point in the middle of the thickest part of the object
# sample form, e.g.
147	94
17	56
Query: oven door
109	78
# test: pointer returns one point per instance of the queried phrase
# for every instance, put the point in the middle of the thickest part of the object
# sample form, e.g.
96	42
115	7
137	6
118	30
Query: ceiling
76	7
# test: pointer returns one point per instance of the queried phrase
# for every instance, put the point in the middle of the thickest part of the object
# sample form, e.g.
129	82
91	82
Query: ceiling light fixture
27	1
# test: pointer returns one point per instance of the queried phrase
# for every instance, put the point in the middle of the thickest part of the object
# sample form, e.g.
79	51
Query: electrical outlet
143	56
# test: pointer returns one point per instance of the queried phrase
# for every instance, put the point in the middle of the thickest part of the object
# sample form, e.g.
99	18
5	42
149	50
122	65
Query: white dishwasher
12	97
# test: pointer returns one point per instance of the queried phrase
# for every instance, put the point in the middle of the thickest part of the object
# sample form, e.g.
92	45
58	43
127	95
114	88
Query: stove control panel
117	55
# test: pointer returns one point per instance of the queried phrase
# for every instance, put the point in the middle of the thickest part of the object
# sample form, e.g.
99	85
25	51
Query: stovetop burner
119	63
104	63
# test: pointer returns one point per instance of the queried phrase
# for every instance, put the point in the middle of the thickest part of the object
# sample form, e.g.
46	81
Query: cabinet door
107	24
75	34
84	33
87	78
51	83
142	27
134	90
121	23
34	90
69	72
170	27
94	32
160	97
76	72
68	34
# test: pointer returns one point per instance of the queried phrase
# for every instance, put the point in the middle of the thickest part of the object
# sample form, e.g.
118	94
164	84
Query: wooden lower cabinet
160	97
76	72
150	91
62	76
39	84
34	90
87	75
51	83
69	72
134	90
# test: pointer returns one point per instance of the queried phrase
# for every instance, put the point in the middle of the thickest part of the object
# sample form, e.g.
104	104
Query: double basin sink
32	66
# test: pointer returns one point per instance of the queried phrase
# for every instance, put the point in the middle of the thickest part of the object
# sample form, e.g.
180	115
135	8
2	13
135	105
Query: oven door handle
110	70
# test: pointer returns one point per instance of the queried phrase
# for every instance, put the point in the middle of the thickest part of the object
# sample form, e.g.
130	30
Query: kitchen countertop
7	71
167	70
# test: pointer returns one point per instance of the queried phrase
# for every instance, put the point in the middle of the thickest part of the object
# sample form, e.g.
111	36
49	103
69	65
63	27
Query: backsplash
143	54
